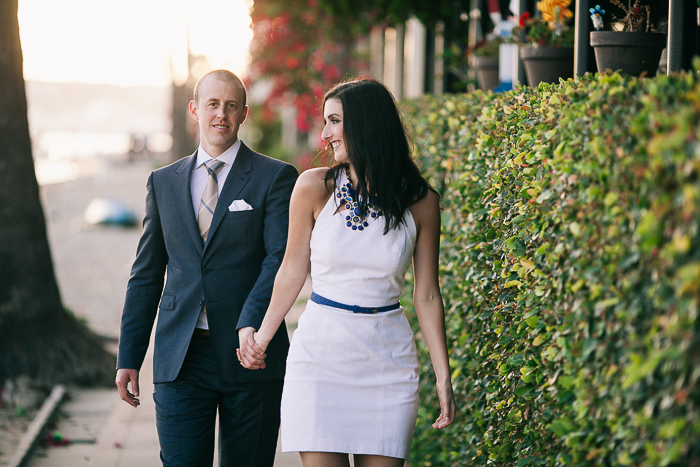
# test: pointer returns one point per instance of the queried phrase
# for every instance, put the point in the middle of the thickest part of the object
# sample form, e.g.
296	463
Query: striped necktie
207	205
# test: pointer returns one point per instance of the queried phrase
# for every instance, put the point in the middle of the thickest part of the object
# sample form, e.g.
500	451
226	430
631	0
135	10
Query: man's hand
124	377
251	355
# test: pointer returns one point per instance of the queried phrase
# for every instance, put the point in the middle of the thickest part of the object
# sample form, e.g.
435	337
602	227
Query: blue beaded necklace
353	219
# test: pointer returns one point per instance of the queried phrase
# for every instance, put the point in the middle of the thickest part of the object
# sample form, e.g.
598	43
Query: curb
32	434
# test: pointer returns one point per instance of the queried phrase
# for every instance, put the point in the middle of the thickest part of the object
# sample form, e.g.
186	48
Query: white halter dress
351	384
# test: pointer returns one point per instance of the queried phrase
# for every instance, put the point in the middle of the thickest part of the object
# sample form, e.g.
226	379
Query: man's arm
275	238
143	293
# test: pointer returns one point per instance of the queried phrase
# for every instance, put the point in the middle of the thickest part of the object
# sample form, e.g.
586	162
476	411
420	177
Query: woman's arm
428	301
307	200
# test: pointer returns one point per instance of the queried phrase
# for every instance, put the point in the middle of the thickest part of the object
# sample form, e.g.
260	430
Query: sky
130	42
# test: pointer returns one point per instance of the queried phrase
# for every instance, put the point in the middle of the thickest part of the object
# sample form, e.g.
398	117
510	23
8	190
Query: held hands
251	354
447	406
124	377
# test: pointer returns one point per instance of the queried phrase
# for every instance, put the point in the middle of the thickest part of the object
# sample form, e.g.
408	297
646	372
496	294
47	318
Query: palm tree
38	337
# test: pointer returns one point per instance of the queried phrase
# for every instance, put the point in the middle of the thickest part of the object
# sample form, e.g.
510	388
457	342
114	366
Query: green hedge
570	268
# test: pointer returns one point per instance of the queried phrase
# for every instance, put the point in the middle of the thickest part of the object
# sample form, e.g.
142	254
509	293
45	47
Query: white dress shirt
200	177
198	181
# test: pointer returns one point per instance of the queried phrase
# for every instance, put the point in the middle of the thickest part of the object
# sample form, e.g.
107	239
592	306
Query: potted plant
484	59
635	48
547	43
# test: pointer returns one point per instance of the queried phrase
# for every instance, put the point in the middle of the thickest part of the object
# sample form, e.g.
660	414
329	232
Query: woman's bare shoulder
429	204
313	180
312	185
426	211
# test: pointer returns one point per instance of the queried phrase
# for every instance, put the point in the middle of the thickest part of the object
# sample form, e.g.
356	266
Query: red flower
523	18
317	91
331	73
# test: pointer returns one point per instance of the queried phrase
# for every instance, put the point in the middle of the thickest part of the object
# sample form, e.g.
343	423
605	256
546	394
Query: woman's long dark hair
377	146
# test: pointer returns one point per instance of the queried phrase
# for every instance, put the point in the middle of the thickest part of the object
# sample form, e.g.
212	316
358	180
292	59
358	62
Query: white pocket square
240	205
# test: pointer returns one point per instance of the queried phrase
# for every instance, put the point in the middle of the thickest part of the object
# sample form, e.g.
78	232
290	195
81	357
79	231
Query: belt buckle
364	310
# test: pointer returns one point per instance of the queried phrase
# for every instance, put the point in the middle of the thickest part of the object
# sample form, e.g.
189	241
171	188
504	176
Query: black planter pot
632	52
547	64
486	72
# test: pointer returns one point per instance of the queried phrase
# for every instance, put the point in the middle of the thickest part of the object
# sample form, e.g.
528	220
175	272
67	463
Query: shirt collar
227	157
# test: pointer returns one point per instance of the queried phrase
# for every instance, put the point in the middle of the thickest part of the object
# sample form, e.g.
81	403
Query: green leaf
688	279
608	302
561	427
566	382
539	340
610	199
526	461
524	139
514	243
575	229
532	321
545	195
641	367
519	219
672	428
559	149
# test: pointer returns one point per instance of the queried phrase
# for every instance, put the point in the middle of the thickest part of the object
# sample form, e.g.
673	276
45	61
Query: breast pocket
242	215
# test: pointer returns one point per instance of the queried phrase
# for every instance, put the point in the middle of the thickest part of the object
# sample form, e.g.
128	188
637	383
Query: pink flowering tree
303	50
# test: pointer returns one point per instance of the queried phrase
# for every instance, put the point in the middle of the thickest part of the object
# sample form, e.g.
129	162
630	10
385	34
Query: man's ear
244	115
193	110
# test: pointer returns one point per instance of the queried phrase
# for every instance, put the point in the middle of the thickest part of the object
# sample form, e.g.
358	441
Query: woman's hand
262	344
448	408
250	354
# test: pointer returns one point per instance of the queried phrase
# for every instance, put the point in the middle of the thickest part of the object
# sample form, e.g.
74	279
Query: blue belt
354	308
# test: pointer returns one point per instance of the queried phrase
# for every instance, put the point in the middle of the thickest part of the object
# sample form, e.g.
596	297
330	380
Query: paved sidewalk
92	266
124	436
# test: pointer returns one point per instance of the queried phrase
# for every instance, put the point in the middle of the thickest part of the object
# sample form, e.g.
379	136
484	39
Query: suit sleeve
144	288
275	238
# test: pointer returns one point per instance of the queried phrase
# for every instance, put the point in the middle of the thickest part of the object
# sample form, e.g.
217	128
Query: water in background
83	129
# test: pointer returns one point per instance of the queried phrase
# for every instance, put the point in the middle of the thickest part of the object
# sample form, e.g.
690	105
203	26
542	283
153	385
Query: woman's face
333	128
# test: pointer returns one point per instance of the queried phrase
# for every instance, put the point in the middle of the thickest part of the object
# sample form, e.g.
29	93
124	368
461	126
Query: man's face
220	113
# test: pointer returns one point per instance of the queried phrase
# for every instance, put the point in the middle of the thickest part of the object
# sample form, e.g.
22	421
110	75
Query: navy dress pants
249	415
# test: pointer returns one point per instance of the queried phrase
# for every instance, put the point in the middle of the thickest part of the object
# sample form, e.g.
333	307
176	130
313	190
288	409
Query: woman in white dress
351	385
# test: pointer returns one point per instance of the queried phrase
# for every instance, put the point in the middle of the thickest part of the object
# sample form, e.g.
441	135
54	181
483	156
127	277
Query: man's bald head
222	75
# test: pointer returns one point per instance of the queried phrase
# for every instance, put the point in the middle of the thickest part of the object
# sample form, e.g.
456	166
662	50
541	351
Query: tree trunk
38	337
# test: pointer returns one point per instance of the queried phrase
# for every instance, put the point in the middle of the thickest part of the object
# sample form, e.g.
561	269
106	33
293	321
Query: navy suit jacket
233	271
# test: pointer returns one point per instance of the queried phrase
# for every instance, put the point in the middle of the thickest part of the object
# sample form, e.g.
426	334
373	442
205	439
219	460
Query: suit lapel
237	178
183	192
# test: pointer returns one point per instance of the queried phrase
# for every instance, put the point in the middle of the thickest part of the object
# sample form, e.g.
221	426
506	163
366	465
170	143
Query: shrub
570	268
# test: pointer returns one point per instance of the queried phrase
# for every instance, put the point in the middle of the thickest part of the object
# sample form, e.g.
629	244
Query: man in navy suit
216	222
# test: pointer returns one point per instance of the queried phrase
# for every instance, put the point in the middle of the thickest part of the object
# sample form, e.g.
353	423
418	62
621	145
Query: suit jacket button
205	271
201	302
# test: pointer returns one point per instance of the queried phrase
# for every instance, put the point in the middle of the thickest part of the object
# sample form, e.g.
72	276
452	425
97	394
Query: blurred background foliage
300	48
370	12
570	265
